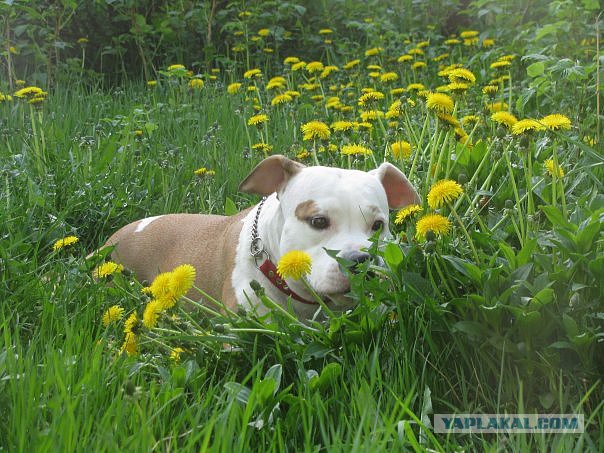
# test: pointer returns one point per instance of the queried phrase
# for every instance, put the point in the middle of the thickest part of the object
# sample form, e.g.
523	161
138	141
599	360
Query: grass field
501	313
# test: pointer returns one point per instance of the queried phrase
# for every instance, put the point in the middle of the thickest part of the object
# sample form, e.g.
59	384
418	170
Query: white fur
144	223
352	200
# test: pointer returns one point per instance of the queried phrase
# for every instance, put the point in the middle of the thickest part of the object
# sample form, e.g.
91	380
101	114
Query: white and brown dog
312	209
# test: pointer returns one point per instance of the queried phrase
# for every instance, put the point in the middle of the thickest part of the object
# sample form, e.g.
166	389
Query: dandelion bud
509	204
462	178
258	290
220	328
430	236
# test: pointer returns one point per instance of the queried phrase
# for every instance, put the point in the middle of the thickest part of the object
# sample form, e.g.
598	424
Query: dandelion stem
465	231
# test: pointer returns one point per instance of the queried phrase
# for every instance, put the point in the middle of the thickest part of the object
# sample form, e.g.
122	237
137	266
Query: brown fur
207	242
306	210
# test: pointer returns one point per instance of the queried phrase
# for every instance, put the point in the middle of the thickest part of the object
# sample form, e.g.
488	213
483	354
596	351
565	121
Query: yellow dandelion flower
264	32
181	280
418	65
556	121
373	51
233	87
131	325
415	87
490	89
404	58
294	264
257	120
436	223
107	269
351	64
355	150
130	345
325	31
29	92
440	103
468	34
298	66
151	314
113	313
452	41
401	149
65	242
341	126
505	118
462	75
440	57
264	147
497	107
388	77
457	87
372	115
448	119
196	84
407	212
328	70
397	91
252	73
291	60
488	42
443	192
175	354
151	83
176	67
470	119
160	287
370	97
527	125
281	99
315	130
500	64
314	66
552	168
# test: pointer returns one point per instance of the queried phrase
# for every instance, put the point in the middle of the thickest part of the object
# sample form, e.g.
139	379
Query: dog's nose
355	258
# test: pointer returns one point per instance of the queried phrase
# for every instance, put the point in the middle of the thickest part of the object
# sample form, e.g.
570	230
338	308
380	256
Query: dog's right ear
270	175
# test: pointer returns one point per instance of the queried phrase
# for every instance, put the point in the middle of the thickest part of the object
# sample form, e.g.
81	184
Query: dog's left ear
399	190
270	175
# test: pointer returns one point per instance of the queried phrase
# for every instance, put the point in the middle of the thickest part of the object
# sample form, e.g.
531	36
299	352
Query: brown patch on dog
306	210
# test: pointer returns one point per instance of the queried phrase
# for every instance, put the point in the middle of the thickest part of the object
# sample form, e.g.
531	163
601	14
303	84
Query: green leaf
275	373
465	267
536	69
543	297
328	376
472	329
393	255
570	326
230	208
585	237
555	216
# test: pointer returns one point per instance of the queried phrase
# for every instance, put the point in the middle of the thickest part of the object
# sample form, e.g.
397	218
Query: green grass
502	317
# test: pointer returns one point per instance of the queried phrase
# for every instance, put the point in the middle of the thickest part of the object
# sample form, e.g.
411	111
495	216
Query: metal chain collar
256	246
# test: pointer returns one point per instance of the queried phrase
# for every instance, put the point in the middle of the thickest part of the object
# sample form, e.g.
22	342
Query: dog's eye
319	223
377	225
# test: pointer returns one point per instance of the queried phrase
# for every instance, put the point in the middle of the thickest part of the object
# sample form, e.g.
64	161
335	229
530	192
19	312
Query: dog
312	209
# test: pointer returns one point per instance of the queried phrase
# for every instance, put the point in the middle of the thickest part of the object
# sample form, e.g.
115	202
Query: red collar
270	271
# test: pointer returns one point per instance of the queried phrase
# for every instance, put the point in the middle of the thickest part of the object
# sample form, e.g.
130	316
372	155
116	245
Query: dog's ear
399	190
270	175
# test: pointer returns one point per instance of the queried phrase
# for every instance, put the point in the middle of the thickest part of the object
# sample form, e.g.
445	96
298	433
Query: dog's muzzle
353	259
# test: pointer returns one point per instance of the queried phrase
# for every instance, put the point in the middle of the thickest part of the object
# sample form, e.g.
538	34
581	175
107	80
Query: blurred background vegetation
110	40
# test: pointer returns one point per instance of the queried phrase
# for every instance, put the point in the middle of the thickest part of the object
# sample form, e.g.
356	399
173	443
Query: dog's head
330	209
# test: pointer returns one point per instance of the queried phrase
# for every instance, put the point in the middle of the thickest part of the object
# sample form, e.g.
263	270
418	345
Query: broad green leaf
557	218
536	69
543	297
393	255
230	208
570	326
468	269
